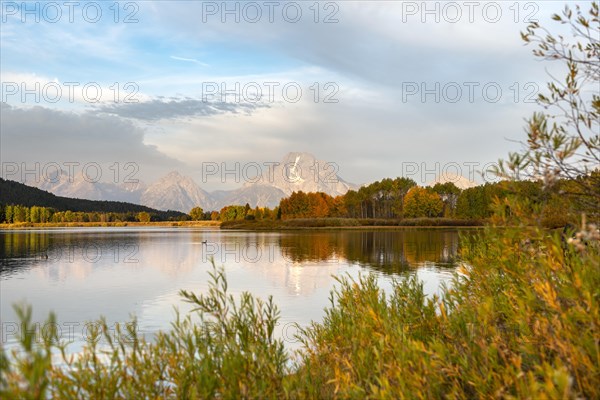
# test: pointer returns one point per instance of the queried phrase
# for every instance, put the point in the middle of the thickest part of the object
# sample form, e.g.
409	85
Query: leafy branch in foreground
564	141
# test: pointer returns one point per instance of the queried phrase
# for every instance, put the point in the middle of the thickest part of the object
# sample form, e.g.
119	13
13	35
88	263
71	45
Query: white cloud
370	54
42	135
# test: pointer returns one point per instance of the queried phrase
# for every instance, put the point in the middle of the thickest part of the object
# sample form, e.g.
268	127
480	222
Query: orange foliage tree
309	205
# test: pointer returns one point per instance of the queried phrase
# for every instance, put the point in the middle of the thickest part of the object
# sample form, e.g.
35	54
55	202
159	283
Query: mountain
303	172
255	195
16	193
176	192
295	172
459	181
63	184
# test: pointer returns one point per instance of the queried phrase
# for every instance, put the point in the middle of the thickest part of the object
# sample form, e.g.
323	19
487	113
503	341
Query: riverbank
183	224
348	223
268	225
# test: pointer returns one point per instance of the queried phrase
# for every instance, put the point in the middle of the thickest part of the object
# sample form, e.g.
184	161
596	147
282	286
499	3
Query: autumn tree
143	216
231	213
449	194
295	206
319	204
19	214
420	202
381	199
310	205
400	188
8	214
352	204
473	203
338	207
197	214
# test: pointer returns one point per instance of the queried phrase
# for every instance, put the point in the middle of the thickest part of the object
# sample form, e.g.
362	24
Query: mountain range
296	171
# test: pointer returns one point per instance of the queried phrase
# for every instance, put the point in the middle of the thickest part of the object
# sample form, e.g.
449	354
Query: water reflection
390	252
386	251
119	272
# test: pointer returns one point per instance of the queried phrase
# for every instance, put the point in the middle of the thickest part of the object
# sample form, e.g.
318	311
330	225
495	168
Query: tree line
17	213
402	198
386	199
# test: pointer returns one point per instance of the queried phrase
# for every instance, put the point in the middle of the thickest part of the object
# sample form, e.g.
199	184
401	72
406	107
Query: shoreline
355	228
349	224
266	225
175	224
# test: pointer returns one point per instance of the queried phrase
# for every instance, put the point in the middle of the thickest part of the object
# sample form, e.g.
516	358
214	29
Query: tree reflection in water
389	252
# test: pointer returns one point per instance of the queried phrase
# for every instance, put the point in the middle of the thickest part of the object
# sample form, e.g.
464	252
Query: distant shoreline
354	228
349	224
178	224
269	225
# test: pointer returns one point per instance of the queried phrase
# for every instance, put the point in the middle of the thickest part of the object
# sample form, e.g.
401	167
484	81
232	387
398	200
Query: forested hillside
15	193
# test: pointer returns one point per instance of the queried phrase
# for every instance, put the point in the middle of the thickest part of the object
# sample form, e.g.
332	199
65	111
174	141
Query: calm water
121	272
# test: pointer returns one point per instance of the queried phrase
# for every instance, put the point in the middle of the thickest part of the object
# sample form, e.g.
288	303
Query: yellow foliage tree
420	202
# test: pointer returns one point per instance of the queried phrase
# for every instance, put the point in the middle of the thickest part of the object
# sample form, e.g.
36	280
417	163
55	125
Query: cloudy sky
374	86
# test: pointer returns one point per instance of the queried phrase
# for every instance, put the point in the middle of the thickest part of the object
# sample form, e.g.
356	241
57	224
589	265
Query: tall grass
520	320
